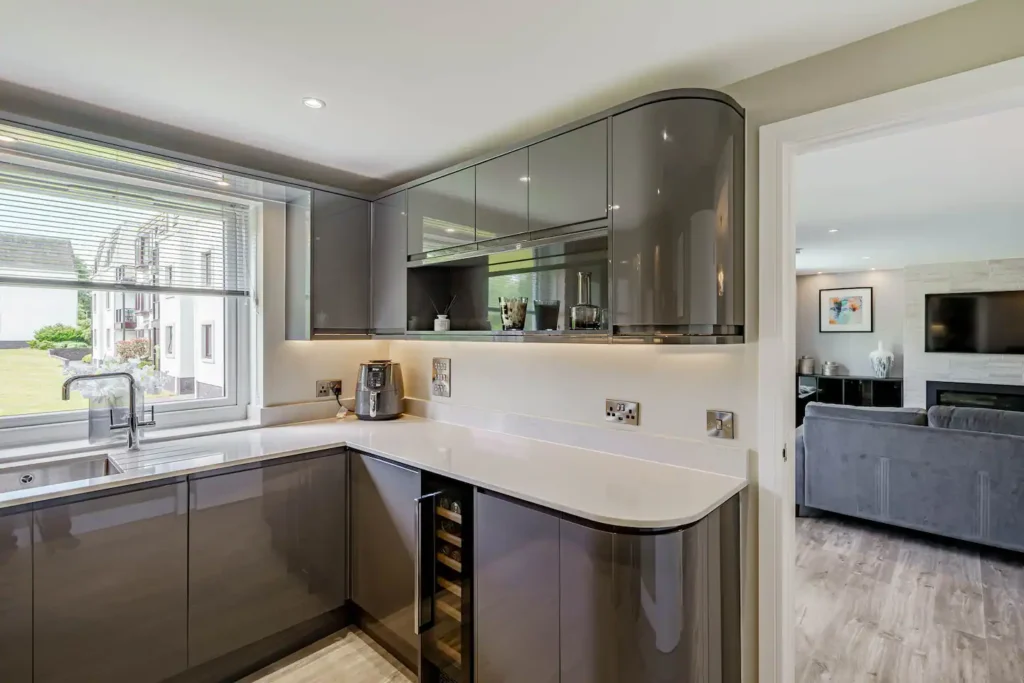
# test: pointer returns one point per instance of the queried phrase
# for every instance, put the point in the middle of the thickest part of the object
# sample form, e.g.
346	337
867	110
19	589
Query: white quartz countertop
596	486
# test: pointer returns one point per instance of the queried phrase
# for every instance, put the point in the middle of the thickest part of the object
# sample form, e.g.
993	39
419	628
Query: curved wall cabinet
662	174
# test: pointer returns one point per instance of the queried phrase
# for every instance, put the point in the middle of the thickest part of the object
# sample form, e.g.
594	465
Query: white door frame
988	89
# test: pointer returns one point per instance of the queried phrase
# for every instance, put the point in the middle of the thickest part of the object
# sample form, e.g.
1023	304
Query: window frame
202	410
169	339
212	358
206	268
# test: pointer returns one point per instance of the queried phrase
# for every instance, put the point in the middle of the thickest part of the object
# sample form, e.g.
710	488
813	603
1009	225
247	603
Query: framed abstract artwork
846	310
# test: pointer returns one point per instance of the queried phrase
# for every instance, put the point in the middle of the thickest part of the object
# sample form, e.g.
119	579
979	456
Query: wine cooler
444	581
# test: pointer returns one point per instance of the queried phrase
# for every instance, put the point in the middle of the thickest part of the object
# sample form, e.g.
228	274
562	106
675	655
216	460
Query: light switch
720	424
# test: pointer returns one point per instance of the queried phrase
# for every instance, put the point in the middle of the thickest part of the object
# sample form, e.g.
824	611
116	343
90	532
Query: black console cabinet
847	390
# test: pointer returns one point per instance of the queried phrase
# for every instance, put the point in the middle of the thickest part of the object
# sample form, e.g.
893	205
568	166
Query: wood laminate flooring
880	604
349	656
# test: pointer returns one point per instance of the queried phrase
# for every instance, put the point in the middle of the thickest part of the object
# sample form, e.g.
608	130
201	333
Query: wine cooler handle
419	627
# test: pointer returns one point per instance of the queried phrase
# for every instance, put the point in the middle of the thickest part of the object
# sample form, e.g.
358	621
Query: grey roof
28	252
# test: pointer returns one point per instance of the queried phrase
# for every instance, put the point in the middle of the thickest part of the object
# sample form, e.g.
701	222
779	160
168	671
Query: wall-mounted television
975	322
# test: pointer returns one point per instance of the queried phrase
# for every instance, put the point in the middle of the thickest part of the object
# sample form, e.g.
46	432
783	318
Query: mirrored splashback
545	278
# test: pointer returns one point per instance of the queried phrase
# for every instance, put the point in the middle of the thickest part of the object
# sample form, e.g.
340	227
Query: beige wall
851	349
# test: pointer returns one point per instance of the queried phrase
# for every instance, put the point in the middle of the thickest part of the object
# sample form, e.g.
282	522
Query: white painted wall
23	310
981	276
851	349
569	382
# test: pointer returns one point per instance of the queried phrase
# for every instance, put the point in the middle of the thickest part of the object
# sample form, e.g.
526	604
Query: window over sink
112	260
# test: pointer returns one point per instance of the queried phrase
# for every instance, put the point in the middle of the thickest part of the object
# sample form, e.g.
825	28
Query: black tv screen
974	322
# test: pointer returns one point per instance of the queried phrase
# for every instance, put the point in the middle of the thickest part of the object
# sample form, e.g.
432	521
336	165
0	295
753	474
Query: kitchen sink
25	474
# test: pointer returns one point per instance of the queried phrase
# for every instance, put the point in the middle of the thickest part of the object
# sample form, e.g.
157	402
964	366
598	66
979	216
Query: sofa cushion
977	420
903	416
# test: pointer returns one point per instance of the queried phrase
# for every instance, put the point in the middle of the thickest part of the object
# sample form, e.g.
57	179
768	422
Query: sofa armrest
800	449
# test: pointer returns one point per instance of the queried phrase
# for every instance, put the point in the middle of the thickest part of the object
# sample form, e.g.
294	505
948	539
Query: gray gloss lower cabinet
516	592
660	608
266	551
16	597
110	588
382	550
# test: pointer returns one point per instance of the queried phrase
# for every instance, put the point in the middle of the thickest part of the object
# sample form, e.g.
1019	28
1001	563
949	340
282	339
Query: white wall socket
622	412
325	387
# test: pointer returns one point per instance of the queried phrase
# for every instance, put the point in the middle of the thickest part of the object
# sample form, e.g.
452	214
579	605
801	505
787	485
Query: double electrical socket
622	412
325	388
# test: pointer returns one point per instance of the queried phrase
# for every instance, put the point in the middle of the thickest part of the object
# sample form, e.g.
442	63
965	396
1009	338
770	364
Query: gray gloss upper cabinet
502	196
111	588
340	265
442	212
516	592
569	177
389	264
16	597
266	551
383	549
677	226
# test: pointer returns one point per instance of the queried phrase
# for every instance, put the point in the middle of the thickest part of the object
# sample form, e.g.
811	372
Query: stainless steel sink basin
25	474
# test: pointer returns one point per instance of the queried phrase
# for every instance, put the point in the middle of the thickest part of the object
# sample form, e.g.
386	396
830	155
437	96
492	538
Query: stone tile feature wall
918	366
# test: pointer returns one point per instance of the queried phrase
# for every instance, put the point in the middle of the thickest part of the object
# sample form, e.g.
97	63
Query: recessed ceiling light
819	272
872	269
834	230
449	229
866	258
223	183
525	179
7	138
314	102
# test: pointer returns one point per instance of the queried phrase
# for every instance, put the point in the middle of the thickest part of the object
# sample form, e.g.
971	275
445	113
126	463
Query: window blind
65	225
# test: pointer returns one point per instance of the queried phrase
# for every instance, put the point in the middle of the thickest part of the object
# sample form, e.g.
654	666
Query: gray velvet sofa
956	472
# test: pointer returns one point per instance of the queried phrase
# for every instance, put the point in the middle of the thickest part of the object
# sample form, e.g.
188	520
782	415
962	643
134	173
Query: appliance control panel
375	377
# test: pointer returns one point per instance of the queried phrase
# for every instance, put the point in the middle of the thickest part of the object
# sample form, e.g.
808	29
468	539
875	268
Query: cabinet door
569	178
383	550
442	213
266	552
110	588
516	597
677	237
390	287
340	258
638	608
16	597
502	196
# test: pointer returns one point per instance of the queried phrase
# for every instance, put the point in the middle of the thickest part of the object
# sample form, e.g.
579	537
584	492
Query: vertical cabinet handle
418	626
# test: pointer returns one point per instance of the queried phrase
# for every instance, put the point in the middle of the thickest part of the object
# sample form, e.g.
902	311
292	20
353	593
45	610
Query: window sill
150	436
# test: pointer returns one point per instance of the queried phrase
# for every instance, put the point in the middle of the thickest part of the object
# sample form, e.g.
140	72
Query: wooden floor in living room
877	603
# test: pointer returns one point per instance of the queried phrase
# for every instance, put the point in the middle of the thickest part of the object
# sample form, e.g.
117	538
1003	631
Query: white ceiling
410	84
938	194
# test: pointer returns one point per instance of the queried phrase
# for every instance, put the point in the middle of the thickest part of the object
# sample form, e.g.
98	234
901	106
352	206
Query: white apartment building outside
185	331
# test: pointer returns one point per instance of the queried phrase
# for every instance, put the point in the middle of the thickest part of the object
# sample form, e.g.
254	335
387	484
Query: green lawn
30	382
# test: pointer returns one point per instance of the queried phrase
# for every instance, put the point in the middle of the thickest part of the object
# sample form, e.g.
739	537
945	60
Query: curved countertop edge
702	492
